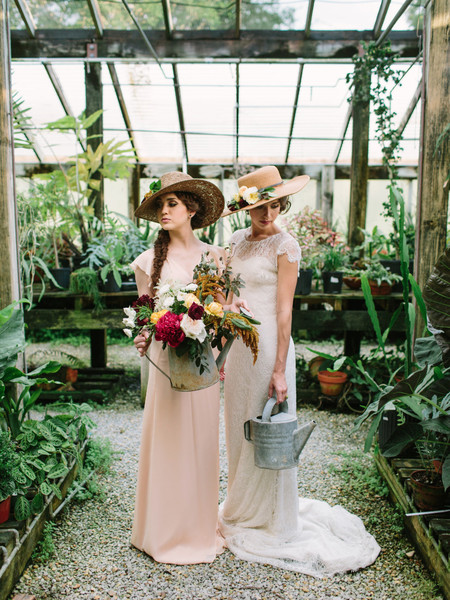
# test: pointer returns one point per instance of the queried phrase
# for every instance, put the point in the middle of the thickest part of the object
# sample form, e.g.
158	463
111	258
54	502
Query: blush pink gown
176	509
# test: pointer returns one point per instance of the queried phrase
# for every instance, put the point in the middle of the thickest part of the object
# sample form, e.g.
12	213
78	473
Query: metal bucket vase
184	373
277	439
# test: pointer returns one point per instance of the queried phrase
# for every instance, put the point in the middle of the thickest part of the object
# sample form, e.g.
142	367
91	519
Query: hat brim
285	189
210	196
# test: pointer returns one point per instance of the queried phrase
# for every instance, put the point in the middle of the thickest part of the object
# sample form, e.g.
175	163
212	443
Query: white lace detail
270	247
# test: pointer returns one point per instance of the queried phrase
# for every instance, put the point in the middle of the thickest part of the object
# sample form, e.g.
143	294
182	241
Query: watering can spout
301	436
220	360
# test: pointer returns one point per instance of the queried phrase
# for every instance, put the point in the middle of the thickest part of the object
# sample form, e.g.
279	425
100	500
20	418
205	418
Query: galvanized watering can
277	439
185	374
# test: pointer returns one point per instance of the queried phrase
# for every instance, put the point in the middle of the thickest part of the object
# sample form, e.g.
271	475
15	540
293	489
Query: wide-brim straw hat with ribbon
208	194
262	186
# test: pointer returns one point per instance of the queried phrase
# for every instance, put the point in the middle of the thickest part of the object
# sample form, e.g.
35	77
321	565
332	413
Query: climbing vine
372	80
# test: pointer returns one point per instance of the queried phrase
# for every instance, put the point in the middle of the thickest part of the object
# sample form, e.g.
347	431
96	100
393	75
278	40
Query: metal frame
96	16
294	111
122	105
168	21
27	17
176	87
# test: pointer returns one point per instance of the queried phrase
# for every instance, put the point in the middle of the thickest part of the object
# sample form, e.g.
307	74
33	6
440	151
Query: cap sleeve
236	237
144	261
290	247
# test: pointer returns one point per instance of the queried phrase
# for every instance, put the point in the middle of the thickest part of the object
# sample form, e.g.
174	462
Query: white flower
181	296
130	312
163	290
193	328
128	332
242	190
129	322
190	288
167	302
251	195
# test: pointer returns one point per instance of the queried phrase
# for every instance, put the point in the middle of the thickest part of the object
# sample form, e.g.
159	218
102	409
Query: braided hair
161	245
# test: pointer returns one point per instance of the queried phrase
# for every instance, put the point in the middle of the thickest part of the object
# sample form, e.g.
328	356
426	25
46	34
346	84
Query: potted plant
333	258
8	463
106	254
381	280
331	382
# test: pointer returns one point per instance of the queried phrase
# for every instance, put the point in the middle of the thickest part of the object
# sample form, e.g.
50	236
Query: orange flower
157	315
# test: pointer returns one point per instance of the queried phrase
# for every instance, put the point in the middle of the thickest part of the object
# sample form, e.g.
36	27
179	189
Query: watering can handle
267	412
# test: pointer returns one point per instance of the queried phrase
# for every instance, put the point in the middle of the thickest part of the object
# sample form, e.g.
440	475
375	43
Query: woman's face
264	216
173	213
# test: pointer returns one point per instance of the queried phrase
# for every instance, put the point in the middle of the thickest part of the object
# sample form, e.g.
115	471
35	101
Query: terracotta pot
354	283
5	506
425	495
380	290
331	382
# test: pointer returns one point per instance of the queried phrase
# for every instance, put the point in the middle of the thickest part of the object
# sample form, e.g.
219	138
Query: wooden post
94	102
328	172
434	160
134	198
9	268
359	168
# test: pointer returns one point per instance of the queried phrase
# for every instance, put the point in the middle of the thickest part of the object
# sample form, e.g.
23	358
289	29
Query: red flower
168	329
143	301
196	311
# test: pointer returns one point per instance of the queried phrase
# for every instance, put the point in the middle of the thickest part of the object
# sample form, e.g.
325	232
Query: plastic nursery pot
332	282
5	506
304	281
62	276
426	496
380	290
331	382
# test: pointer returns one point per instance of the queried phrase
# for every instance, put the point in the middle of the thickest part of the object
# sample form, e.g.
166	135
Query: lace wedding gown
175	516
262	518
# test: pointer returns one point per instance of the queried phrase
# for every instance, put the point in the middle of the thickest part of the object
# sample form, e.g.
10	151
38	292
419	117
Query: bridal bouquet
188	317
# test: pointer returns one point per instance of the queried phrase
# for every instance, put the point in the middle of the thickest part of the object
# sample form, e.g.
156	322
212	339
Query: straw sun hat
262	186
209	196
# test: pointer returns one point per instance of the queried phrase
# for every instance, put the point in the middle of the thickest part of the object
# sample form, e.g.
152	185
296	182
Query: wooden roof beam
168	21
199	46
294	111
27	17
176	85
238	23
96	16
122	106
382	12
309	15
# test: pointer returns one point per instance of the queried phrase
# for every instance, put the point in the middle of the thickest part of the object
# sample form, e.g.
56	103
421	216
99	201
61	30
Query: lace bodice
270	248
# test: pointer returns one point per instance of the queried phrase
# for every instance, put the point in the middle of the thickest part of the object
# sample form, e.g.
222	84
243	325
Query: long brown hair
161	245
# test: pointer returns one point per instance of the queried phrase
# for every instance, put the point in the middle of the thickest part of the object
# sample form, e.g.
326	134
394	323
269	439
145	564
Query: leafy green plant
8	462
333	257
45	548
47	449
106	254
85	281
378	273
99	458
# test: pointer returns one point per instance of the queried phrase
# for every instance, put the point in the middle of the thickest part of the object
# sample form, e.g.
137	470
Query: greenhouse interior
262	187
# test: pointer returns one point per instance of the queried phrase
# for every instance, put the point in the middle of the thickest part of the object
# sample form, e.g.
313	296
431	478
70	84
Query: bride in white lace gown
262	518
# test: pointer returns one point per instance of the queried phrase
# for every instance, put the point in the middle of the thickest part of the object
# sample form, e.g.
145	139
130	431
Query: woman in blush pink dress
175	518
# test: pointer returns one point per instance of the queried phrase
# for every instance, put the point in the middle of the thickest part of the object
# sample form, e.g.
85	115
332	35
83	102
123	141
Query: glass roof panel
209	14
208	99
159	147
359	15
210	149
44	107
311	151
404	21
15	20
148	14
58	14
278	14
267	94
71	77
322	107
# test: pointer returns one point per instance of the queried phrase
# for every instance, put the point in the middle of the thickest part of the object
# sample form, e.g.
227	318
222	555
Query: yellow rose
157	315
215	309
190	299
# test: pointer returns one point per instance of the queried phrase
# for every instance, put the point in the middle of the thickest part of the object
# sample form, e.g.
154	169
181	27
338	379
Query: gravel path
94	559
